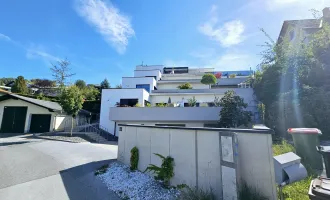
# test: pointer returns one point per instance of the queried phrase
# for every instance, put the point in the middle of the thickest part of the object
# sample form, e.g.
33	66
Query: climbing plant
134	158
165	172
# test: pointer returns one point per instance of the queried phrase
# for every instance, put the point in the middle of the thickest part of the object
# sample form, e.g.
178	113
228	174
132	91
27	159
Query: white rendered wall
143	73
151	67
109	99
246	94
131	82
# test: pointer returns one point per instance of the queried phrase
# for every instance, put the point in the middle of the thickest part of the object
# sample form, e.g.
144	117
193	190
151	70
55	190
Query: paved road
52	170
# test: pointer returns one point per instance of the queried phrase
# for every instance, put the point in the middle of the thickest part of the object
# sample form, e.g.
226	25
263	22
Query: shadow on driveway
11	143
81	183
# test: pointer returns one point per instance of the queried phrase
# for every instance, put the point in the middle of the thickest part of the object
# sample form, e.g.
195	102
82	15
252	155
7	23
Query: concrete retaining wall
198	158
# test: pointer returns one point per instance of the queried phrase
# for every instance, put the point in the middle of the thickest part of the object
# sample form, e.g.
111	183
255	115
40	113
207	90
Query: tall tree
233	113
20	86
81	84
71	101
90	93
4	81
43	83
294	82
61	72
209	79
105	84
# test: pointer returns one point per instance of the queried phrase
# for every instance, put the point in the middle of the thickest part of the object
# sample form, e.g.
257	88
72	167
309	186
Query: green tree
105	84
293	82
209	79
20	86
81	84
43	83
90	93
61	72
185	86
119	86
71	101
4	81
233	113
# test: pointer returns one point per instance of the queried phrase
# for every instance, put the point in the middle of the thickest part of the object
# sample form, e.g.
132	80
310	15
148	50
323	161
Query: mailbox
288	168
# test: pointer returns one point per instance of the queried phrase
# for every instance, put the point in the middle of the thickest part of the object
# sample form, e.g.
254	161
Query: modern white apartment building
155	85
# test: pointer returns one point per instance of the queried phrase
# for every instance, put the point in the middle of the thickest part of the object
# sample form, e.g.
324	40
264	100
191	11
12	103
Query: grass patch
282	147
297	190
101	170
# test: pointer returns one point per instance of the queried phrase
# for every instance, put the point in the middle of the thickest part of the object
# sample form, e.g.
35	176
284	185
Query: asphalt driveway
53	170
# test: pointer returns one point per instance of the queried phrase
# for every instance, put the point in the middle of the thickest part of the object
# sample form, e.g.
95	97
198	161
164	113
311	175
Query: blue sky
107	39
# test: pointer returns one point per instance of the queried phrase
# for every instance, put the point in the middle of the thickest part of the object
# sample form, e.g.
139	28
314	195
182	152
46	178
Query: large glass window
128	102
145	86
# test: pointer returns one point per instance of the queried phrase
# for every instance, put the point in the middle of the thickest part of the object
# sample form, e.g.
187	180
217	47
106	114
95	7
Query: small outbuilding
19	114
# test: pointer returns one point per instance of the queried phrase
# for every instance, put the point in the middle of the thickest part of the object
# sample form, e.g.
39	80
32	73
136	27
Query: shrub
165	172
185	86
232	75
196	194
134	158
148	105
192	102
160	104
137	105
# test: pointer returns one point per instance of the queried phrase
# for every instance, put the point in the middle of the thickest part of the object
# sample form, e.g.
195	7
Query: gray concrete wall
196	153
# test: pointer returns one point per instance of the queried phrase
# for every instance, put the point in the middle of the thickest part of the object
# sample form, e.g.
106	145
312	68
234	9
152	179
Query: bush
165	172
160	104
232	75
185	86
192	102
196	194
134	158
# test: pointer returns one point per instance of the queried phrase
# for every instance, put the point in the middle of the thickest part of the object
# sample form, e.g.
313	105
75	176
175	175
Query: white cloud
228	34
115	27
4	37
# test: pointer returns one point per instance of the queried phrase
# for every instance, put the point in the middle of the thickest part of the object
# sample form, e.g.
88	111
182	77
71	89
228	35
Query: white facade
153	72
109	99
159	84
133	82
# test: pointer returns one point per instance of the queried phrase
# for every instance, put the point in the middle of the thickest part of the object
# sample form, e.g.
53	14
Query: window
145	86
128	102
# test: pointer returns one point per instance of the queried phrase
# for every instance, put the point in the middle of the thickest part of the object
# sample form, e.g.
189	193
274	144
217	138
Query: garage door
13	119
40	123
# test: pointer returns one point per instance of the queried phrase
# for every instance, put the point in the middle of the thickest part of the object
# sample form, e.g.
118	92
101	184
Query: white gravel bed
135	185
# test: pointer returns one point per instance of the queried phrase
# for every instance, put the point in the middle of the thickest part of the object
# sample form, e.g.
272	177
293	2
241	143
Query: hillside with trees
293	83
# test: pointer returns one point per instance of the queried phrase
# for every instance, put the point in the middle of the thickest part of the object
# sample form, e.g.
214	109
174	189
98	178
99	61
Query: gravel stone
135	184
